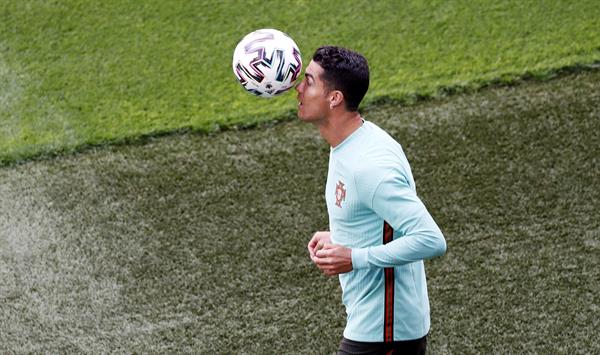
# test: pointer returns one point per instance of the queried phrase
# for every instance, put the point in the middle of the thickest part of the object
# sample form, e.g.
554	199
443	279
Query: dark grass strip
197	243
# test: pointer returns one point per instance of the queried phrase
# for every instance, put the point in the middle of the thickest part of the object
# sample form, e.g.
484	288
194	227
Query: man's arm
420	237
398	204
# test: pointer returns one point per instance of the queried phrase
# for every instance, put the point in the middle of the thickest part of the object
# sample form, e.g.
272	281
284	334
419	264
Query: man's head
335	78
346	71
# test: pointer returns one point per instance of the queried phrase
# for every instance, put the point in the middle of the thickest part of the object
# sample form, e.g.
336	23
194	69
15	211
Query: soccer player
379	230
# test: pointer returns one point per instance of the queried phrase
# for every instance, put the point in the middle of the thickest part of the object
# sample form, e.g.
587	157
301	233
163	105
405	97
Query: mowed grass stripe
113	71
197	243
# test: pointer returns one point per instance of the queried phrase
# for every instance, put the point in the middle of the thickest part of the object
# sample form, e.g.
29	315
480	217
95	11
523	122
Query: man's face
313	103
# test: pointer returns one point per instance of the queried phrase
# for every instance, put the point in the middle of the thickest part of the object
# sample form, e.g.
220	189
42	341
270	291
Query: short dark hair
346	71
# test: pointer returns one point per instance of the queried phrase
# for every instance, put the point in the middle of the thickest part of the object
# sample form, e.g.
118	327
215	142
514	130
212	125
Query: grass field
79	72
196	244
186	237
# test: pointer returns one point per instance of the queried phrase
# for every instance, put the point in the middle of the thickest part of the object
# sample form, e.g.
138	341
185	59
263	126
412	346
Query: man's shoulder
382	156
380	140
380	150
373	153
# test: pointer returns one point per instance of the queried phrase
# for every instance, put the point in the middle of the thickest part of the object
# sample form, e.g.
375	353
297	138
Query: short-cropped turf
75	73
197	244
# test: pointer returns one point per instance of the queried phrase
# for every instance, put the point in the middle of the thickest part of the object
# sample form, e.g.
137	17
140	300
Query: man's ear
336	98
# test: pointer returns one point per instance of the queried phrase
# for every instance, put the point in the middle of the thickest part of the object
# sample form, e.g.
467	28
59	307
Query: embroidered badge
340	194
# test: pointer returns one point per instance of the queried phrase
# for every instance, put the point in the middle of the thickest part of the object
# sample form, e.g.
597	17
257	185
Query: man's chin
301	117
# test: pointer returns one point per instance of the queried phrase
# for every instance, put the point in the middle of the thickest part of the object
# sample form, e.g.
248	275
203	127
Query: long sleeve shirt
374	209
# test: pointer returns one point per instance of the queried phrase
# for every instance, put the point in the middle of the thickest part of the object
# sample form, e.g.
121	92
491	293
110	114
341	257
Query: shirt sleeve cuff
359	258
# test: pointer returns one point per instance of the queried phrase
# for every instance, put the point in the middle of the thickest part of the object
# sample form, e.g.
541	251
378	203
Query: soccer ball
267	62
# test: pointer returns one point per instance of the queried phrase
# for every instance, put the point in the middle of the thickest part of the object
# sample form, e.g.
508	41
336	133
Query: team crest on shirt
340	193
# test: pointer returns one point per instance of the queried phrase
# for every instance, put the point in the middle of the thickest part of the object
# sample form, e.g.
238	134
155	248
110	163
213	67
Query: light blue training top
370	190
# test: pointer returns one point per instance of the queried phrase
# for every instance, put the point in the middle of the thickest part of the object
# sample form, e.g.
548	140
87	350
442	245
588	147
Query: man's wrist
360	258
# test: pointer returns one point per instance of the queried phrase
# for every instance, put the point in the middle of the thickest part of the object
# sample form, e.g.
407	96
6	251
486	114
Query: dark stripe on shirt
388	322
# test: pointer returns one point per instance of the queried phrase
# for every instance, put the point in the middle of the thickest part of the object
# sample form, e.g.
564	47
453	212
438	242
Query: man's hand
333	259
317	242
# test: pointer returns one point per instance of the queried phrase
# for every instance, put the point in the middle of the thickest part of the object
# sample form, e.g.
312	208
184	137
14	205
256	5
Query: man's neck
339	127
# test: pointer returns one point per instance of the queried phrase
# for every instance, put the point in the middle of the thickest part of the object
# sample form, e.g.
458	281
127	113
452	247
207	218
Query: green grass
197	244
75	73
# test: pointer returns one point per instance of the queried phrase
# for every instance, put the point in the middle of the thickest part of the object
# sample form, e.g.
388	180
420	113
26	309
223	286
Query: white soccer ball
267	62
